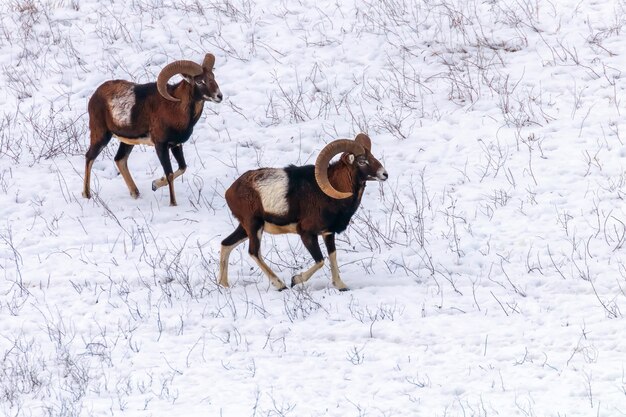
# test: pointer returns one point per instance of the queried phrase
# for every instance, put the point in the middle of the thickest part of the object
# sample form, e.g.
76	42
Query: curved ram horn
209	62
364	140
177	67
323	159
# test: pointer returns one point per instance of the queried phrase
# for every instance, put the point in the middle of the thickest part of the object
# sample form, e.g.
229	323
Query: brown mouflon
154	114
307	200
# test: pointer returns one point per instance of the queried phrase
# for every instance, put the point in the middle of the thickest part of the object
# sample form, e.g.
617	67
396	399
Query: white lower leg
304	276
156	184
224	255
122	166
276	282
334	270
87	180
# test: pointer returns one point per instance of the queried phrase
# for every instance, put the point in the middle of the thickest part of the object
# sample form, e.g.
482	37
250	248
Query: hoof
86	195
293	281
154	186
344	289
279	285
135	195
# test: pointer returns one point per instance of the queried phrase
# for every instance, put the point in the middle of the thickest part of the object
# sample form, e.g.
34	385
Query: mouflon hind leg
121	160
228	244
98	142
255	232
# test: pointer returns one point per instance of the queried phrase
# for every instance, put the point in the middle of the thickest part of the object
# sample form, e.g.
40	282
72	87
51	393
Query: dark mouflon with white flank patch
310	200
155	114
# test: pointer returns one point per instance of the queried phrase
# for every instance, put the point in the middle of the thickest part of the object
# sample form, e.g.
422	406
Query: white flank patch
121	106
272	188
488	272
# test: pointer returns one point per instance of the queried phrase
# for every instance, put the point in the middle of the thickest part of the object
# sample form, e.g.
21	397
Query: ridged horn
323	159
177	67
209	62
364	140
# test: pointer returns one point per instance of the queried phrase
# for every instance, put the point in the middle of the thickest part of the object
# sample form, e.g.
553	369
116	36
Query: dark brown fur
313	212
166	123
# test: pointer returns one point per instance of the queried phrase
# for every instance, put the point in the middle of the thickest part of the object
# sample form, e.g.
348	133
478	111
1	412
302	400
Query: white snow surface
487	275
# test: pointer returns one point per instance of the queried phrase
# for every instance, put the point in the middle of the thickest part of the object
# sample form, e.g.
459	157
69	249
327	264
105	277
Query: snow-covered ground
488	274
